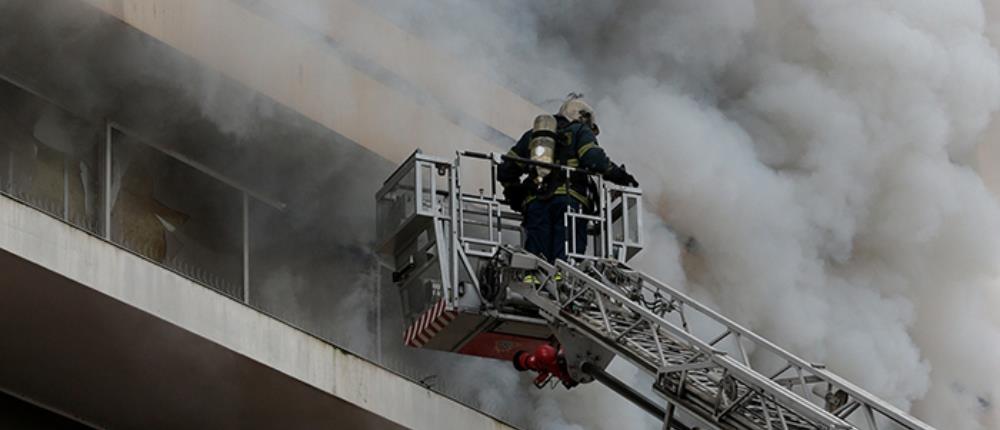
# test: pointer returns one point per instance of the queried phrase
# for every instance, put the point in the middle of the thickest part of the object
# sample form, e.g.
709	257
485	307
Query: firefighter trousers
546	229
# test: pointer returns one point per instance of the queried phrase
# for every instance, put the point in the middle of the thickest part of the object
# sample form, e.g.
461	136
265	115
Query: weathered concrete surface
300	72
444	77
101	334
17	413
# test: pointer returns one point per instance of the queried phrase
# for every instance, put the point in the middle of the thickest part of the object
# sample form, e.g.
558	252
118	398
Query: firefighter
543	197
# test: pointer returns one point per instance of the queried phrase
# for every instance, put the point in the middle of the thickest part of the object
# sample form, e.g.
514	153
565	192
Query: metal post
606	229
638	221
625	227
637	398
108	130
455	190
246	248
12	172
65	189
668	421
10	169
494	178
378	315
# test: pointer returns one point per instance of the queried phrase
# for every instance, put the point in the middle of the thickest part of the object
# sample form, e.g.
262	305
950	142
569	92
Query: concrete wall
305	74
16	413
445	78
53	251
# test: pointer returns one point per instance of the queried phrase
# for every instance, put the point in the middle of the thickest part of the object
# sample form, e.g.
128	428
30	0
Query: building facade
187	216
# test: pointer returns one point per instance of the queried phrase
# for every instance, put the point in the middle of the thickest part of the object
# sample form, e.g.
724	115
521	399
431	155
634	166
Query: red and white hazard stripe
428	324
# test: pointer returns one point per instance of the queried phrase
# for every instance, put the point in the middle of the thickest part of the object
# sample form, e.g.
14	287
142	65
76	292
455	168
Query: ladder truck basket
441	228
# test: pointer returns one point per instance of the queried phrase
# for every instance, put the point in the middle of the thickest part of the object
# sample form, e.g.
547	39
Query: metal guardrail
615	225
99	221
476	223
194	272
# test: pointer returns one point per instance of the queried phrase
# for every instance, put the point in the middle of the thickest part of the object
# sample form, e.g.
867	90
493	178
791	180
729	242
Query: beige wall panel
444	77
300	73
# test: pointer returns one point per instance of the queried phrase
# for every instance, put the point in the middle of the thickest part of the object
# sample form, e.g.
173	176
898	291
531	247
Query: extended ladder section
454	249
701	361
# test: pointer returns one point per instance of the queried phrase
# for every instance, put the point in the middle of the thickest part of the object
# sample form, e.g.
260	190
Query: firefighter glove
618	175
514	195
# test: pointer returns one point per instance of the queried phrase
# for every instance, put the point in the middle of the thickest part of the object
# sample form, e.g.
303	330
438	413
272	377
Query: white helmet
575	109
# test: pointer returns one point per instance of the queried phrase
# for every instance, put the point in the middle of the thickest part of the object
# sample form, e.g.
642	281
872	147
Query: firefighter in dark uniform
568	138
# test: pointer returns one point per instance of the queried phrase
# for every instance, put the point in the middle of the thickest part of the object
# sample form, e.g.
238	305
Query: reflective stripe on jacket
576	147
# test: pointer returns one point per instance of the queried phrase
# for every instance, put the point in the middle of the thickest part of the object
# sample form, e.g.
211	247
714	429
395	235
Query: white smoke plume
819	152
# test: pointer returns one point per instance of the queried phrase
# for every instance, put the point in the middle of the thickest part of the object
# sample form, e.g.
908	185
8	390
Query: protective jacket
576	146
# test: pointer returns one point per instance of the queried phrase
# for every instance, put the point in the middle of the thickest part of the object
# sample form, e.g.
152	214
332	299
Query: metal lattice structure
707	374
461	274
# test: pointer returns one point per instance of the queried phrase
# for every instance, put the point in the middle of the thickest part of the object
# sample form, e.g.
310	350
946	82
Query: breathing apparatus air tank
543	144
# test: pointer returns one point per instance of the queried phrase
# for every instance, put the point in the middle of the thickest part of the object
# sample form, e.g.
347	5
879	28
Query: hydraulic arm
457	260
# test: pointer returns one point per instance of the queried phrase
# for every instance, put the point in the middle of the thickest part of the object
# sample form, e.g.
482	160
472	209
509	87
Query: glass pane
633	220
176	215
48	157
426	172
397	205
617	219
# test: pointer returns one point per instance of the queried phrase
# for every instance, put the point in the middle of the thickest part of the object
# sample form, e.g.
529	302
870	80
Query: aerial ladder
454	249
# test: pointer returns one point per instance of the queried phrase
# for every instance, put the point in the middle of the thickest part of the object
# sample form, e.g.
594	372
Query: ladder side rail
876	404
779	393
817	371
555	313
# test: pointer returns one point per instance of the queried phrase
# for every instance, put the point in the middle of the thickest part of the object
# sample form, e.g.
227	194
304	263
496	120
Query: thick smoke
819	153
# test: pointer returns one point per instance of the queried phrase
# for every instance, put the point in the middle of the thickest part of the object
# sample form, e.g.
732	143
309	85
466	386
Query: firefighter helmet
577	110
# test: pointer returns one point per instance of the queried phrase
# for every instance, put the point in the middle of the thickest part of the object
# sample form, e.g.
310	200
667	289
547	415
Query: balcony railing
138	194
